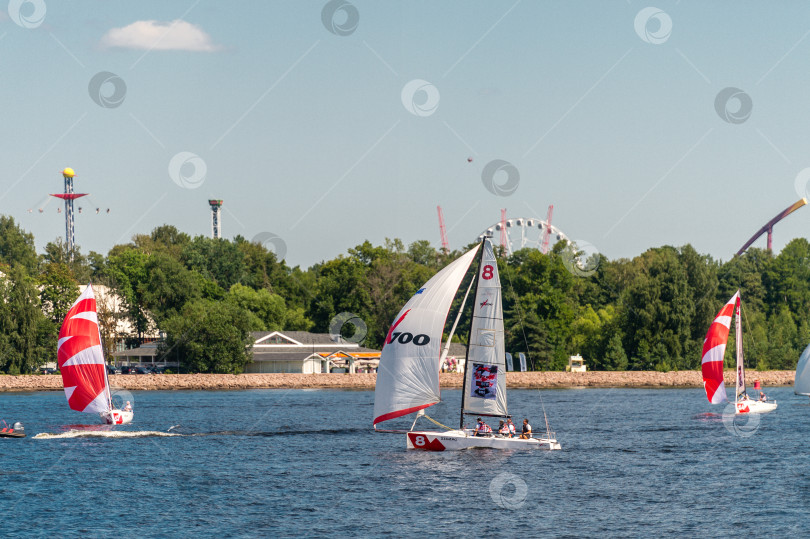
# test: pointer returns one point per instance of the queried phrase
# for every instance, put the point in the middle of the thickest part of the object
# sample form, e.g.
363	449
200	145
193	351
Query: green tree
216	259
209	336
17	246
57	291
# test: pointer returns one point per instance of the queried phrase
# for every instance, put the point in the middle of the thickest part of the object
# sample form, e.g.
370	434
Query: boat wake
103	434
107	433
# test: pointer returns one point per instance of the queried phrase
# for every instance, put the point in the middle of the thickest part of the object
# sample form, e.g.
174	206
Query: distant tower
504	237
69	196
547	232
216	211
443	231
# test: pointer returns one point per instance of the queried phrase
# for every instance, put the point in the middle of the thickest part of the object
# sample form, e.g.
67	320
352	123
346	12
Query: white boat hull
755	407
117	417
455	440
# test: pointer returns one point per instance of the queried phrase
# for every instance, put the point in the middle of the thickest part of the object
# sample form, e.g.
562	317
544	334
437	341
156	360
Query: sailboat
801	384
714	349
81	362
408	374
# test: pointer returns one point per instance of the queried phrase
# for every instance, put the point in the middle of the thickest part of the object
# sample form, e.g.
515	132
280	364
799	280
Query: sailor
762	396
503	429
481	428
511	427
128	407
527	430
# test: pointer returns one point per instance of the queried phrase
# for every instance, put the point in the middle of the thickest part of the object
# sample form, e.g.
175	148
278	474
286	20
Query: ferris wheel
521	232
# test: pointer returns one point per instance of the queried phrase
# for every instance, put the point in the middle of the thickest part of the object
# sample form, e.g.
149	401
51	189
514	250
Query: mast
469	336
740	388
103	357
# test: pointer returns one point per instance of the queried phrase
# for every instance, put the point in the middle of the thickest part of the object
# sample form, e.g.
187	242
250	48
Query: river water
306	463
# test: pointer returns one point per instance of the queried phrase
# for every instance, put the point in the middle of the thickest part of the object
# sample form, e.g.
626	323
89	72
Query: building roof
300	338
148	349
457	349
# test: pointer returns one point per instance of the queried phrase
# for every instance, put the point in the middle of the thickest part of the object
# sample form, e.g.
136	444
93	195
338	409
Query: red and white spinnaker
714	348
81	359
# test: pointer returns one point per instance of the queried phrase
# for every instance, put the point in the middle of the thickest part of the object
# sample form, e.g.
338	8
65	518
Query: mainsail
801	385
80	357
485	369
408	374
714	348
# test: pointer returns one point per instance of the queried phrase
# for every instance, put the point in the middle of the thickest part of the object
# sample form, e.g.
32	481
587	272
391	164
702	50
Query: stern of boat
117	417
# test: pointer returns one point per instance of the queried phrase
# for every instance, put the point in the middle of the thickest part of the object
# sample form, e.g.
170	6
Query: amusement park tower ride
216	212
69	196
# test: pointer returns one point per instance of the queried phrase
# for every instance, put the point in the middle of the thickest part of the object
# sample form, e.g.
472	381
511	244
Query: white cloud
177	35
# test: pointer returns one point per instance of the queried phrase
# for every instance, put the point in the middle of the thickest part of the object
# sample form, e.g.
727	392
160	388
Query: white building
308	353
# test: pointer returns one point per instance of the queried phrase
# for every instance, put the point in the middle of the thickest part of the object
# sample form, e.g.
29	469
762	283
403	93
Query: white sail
801	385
486	356
408	374
739	345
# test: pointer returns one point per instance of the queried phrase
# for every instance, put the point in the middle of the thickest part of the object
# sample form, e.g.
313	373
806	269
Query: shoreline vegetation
517	380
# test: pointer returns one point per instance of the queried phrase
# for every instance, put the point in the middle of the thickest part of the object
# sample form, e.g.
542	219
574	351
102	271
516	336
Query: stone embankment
539	380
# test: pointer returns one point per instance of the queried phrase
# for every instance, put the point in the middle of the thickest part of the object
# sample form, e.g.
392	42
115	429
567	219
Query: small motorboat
15	431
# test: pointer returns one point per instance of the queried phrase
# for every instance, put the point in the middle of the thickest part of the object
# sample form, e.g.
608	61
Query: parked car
113	370
48	371
142	370
126	369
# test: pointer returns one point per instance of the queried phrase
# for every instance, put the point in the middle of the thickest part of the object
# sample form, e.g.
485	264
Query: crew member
481	429
526	433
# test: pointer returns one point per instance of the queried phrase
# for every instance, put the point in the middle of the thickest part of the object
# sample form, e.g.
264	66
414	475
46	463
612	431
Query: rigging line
437	423
525	340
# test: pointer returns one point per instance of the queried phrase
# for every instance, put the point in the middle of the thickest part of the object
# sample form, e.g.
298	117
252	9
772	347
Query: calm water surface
306	463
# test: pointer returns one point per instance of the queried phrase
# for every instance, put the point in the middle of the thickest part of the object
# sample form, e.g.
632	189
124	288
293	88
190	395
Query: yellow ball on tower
68	172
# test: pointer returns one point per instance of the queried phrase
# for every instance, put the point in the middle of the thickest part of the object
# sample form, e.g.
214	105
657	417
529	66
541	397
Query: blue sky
305	133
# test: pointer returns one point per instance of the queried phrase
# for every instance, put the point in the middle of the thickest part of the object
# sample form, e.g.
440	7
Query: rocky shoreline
529	380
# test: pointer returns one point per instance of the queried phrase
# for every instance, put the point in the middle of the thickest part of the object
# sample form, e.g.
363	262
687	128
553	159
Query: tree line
206	295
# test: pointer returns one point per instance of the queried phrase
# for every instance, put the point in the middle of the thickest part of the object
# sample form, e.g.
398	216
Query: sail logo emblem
486	303
420	290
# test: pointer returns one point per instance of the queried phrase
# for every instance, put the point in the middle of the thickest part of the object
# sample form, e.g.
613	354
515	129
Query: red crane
547	231
443	231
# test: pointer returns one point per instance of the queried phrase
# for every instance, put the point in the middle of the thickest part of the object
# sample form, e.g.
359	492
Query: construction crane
443	231
769	226
547	231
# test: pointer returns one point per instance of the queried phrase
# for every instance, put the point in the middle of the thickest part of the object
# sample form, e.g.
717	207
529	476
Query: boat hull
117	417
456	440
755	407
